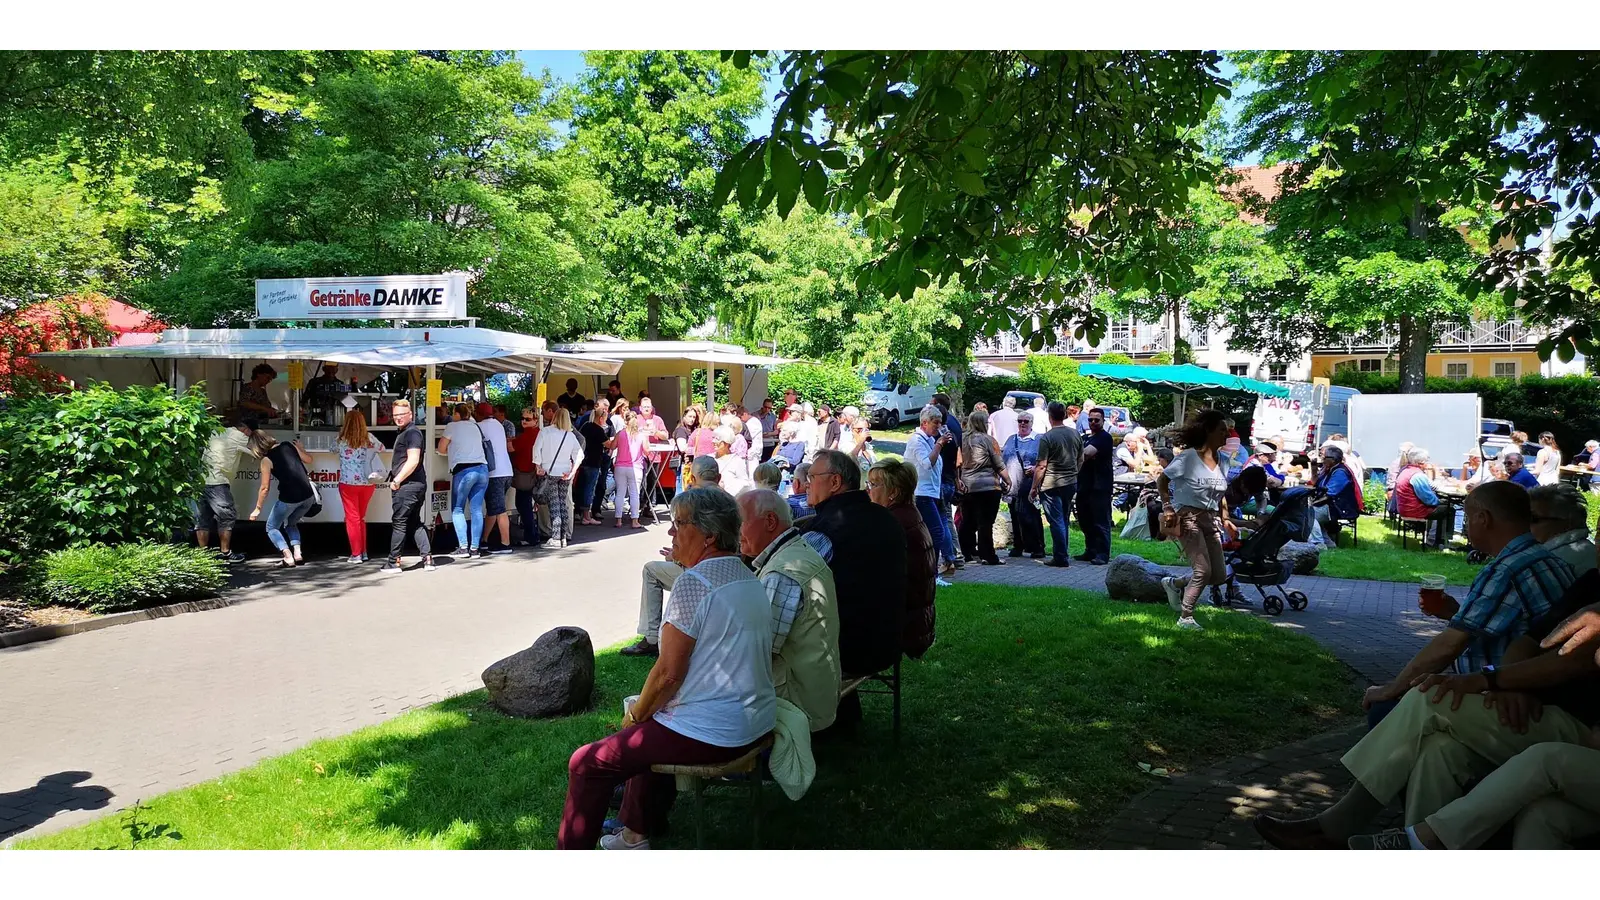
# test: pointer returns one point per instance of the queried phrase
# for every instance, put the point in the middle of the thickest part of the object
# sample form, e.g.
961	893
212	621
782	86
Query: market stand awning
694	351
471	350
1183	380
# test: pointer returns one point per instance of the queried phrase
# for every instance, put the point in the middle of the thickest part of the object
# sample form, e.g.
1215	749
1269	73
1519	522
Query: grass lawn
1024	727
1379	558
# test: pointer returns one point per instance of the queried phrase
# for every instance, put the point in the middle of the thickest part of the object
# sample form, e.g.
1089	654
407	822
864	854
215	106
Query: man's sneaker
616	842
941	582
1189	624
481	554
234	557
1174	593
1394	839
391	568
461	553
500	551
641	648
428	566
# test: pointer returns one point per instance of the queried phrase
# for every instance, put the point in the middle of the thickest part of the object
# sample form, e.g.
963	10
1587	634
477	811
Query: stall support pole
428	441
711	389
1177	408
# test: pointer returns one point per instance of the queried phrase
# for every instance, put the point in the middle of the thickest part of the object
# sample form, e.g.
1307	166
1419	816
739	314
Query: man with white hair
735	469
1415	498
1561	524
1003	421
805	609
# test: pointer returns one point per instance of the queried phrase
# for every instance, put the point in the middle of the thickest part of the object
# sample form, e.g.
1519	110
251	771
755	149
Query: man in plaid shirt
1518	586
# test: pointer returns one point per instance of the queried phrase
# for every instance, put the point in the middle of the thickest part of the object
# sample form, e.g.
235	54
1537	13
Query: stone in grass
1135	578
1305	556
554	677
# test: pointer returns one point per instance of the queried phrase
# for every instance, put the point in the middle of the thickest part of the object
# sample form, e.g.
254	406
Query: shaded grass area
1024	726
1379	558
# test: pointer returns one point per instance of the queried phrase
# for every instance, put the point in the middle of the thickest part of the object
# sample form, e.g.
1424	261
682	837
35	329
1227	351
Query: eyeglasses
815	474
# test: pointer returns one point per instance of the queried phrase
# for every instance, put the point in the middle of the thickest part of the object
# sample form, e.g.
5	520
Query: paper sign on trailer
377	297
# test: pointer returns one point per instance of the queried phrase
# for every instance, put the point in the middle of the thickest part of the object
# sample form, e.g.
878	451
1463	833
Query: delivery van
891	399
1300	418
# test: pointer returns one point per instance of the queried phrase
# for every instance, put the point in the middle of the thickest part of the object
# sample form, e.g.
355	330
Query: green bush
836	386
1057	378
990	389
99	466
1373	497
105	579
1567	407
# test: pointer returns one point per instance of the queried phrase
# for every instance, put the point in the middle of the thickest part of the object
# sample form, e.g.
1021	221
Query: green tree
1017	175
655	125
54	237
407	163
1392	135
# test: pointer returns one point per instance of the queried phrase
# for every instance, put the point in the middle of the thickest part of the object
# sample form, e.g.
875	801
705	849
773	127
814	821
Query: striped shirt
1514	590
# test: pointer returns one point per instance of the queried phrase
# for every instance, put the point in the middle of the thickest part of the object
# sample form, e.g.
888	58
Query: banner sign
380	297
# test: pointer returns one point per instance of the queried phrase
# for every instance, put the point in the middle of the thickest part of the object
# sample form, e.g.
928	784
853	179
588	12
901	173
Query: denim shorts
494	502
215	509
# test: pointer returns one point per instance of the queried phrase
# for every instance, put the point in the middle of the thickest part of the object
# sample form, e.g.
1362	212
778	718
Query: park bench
746	769
889	678
1409	525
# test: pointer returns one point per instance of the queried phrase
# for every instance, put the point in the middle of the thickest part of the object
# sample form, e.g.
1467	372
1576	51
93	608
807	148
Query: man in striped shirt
1518	586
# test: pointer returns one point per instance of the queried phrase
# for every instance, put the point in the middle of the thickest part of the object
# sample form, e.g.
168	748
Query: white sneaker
1174	593
1188	623
616	842
357	558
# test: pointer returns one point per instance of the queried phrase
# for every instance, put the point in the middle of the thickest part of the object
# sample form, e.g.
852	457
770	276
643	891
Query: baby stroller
1256	561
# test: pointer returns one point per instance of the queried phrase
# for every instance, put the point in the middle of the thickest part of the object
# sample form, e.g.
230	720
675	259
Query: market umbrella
1181	381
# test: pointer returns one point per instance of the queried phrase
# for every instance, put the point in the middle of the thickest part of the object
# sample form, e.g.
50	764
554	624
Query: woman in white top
1547	465
709	696
556	453
735	474
358	461
1192	504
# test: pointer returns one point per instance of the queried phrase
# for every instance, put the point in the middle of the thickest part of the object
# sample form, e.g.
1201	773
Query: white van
1299	418
889	401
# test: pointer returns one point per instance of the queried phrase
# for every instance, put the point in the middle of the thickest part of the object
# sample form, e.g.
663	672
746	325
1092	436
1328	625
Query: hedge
99	466
104	579
838	386
1567	407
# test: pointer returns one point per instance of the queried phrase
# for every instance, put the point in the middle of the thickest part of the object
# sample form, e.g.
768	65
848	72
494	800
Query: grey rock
554	677
1305	556
1130	577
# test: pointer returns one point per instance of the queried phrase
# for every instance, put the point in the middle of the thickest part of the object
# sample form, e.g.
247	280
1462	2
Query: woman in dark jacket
891	484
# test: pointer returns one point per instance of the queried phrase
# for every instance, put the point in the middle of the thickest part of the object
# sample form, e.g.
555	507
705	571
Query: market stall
1183	381
665	370
376	366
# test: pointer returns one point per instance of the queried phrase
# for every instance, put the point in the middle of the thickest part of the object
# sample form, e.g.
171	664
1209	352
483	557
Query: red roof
1253	188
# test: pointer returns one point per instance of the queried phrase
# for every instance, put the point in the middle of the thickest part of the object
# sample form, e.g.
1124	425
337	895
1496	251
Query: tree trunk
652	321
1416	335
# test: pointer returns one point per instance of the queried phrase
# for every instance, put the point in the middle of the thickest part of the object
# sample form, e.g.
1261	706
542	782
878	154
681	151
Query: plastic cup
1432	593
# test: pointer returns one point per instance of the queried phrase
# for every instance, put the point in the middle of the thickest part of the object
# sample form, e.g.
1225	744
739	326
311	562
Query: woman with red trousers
358	458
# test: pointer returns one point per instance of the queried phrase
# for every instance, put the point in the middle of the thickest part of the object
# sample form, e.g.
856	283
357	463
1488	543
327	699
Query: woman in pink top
630	444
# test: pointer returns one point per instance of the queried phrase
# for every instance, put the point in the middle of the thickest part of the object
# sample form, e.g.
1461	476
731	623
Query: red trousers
355	498
596	769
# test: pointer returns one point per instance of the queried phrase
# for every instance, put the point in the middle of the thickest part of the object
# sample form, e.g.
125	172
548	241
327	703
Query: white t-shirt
752	434
1002	425
466	444
727	698
495	434
1194	484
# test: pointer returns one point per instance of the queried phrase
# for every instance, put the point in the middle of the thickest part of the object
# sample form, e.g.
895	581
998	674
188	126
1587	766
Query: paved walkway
1373	626
95	721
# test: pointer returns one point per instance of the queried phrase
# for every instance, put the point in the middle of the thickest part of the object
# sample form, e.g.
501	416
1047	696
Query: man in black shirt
408	485
572	401
1094	491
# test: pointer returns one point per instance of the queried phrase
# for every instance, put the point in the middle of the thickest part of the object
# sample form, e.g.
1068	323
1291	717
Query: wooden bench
693	779
889	678
1420	526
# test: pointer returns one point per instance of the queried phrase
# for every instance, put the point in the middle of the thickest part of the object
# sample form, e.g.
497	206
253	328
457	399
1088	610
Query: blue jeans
468	488
283	521
928	508
583	491
1057	503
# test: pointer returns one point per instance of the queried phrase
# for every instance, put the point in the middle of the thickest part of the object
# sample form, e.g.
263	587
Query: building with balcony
1475	350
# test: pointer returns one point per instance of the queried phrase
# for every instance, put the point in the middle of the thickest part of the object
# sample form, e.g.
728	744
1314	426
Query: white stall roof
462	349
694	351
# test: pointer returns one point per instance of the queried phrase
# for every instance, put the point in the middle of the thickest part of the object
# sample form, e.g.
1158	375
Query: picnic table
1578	475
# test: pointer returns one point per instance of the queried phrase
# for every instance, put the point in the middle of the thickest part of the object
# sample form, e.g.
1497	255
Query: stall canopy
1184	380
1181	381
471	350
723	355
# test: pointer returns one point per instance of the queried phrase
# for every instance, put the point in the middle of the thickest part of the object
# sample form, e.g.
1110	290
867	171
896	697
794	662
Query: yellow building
1478	350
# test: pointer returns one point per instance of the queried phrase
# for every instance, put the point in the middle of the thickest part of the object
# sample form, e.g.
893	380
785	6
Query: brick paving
1373	626
95	721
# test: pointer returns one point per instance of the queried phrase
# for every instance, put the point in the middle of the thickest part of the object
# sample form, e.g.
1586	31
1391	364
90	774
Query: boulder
1305	556
554	677
1135	578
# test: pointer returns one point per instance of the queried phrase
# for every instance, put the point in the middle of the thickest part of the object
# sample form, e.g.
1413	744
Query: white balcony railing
1125	335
